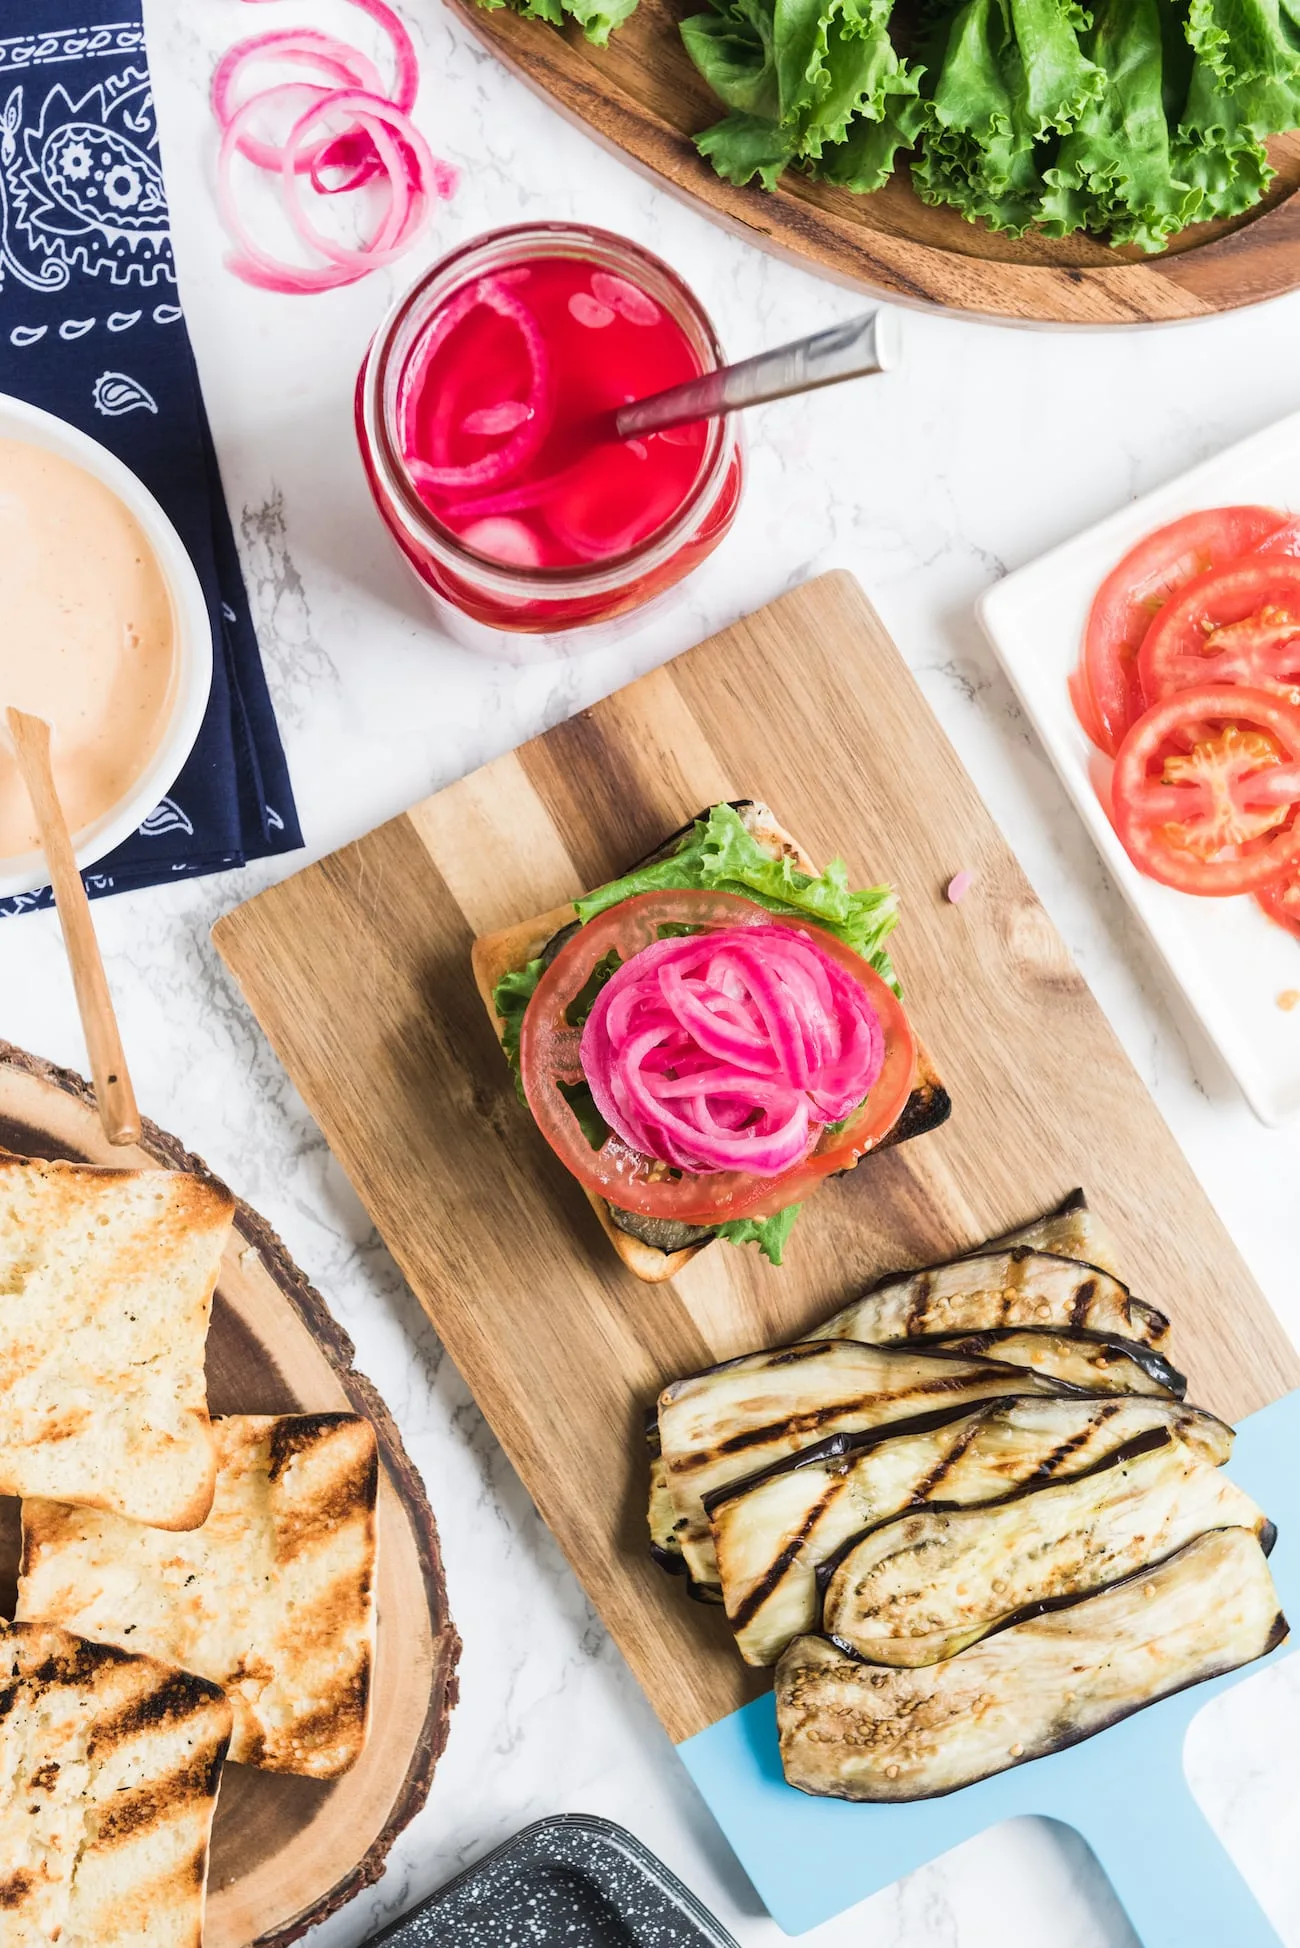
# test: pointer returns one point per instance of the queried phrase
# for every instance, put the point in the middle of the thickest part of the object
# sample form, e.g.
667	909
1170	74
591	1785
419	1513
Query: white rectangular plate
1229	960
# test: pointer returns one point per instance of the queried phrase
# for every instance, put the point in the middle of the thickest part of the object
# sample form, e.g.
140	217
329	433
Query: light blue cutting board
1124	1791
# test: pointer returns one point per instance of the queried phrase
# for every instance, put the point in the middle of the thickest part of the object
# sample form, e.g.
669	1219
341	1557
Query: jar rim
432	289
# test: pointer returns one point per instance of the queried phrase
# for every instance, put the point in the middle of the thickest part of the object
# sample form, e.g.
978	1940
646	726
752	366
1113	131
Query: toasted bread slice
106	1283
273	1598
497	954
108	1779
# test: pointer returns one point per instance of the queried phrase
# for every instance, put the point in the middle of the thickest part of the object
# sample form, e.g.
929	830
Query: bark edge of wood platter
358	970
286	1852
642	98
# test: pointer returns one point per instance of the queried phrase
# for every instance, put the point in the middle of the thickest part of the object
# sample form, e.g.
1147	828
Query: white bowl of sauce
105	633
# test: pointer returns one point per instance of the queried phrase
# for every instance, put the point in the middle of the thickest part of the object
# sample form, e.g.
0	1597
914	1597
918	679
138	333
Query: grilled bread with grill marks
106	1283
109	1768
498	954
273	1598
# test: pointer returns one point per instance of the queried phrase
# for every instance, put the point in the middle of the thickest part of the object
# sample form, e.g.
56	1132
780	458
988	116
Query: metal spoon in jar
850	351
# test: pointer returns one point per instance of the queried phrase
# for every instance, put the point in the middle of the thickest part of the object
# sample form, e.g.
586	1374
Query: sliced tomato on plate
1281	901
1239	624
549	1065
1107	689
1206	790
1284	541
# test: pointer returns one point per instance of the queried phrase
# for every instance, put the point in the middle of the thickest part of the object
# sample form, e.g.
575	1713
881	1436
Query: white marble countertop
987	446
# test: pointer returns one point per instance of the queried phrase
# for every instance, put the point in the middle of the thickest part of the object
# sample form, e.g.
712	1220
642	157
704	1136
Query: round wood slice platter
286	1852
642	97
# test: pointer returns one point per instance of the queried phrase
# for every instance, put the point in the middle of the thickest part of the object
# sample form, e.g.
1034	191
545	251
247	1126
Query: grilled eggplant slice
921	1587
734	1419
1101	1364
662	1516
1072	1230
664	1234
1020	1287
772	1532
850	1732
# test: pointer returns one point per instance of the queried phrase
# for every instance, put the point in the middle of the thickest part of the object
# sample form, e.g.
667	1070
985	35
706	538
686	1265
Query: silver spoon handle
847	351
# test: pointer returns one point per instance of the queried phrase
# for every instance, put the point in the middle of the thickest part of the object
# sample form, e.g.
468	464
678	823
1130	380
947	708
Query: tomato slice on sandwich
1206	790
711	1034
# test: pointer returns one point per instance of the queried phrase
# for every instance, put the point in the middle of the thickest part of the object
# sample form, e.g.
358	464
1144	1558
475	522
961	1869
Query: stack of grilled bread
970	1520
190	1590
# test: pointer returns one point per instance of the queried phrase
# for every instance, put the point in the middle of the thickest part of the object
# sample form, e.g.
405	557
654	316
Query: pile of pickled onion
730	1050
347	130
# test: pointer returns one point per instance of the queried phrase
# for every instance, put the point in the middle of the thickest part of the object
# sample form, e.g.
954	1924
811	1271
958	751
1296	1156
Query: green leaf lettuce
720	855
771	1234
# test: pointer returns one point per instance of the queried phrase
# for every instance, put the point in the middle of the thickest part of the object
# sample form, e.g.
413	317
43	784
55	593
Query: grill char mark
1083	1299
924	1490
293	1434
1053	1462
169	1706
190	1784
15	1887
747	1610
918	1310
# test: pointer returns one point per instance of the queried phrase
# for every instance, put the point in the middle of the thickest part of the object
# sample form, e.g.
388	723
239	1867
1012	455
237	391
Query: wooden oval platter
642	97
286	1852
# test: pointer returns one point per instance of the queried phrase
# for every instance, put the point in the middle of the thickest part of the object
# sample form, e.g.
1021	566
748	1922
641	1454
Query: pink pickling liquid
518	400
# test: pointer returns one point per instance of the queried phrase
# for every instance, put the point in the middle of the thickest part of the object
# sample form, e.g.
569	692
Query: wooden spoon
113	1091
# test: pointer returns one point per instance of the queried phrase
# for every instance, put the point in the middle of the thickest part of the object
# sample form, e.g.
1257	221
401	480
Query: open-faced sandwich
704	1040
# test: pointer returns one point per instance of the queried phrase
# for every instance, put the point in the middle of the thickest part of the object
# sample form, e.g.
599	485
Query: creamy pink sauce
87	637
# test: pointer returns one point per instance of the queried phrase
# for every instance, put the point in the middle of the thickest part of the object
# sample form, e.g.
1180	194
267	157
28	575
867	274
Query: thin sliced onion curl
348	131
530	426
730	1050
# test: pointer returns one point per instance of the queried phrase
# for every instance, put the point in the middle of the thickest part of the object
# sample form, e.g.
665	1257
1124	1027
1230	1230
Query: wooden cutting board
358	969
642	97
286	1852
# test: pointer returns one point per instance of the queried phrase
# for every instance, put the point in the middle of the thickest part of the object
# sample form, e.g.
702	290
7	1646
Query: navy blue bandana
90	329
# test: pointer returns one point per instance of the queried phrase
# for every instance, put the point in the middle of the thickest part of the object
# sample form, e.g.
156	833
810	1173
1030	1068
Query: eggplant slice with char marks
733	1419
772	1532
664	1544
665	1540
1072	1230
664	1234
1092	1360
997	1289
921	1587
849	1731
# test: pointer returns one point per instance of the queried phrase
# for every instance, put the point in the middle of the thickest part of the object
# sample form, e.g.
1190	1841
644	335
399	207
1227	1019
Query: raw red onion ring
381	141
343	67
409	202
345	264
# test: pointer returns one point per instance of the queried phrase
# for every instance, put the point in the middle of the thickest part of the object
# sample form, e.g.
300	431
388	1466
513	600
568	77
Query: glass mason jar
468	588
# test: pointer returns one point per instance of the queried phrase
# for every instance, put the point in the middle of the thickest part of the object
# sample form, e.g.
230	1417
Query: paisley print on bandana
80	184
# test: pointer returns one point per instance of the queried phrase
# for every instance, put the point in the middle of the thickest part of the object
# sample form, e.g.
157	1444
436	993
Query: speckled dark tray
580	1881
